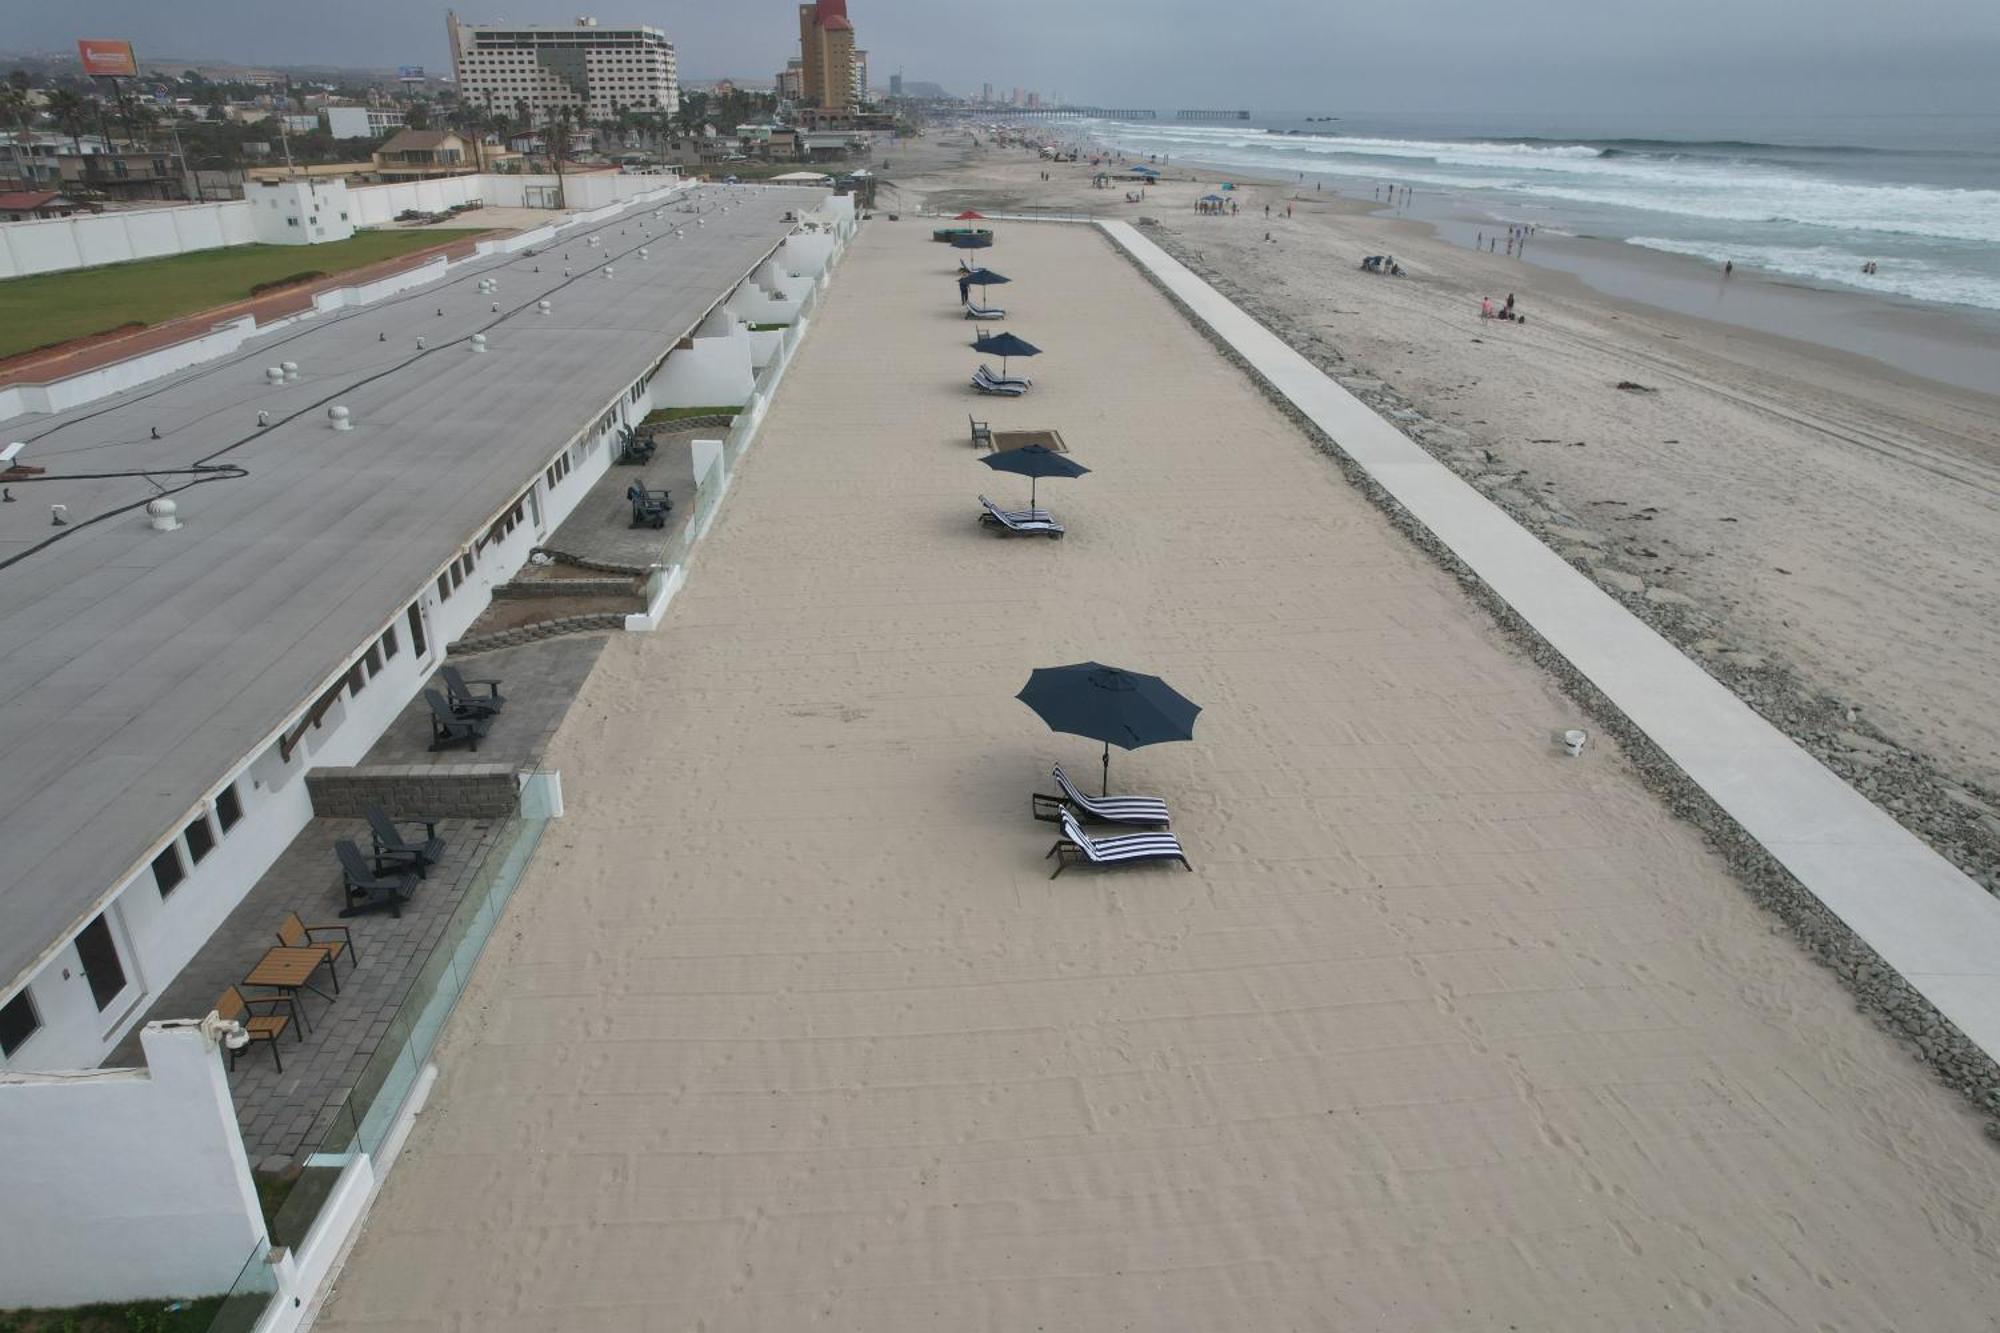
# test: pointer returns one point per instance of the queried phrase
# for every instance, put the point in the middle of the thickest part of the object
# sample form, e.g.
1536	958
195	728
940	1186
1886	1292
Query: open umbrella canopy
1109	704
969	214
1144	171
1211	199
1035	461
1004	345
981	277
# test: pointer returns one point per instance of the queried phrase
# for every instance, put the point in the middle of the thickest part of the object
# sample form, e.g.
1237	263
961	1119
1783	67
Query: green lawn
52	308
124	1317
660	416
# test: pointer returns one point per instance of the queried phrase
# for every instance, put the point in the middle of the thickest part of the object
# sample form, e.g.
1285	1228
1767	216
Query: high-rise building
595	71
826	55
895	85
792	81
860	77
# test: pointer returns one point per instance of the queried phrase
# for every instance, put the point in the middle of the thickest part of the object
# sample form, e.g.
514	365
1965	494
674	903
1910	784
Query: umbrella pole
1107	768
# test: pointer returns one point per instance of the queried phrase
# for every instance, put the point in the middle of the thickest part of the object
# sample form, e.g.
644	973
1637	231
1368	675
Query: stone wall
444	791
617	587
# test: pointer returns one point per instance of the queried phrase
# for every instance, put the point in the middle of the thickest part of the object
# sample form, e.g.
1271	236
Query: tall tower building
594	70
826	51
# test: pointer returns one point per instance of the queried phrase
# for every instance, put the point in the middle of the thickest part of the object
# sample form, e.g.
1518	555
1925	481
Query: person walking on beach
1728	267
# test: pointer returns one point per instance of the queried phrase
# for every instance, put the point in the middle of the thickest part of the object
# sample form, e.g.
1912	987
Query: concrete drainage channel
1953	821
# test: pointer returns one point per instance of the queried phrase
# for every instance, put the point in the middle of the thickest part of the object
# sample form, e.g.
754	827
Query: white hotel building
583	66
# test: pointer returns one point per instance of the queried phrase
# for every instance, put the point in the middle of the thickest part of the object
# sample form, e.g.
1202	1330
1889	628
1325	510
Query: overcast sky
1582	57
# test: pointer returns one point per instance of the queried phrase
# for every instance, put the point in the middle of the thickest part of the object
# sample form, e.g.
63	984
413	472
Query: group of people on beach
1506	312
1517	239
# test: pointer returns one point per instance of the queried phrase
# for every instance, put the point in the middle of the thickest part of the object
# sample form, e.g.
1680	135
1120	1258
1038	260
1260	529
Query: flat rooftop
139	666
1447	1030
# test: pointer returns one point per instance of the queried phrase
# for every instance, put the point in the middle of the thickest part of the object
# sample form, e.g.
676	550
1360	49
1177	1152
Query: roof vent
164	514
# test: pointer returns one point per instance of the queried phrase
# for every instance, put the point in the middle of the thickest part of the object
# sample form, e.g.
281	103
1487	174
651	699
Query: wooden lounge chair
451	728
267	1026
1010	525
294	933
984	311
371	888
391	845
459	691
982	433
1142	811
1076	847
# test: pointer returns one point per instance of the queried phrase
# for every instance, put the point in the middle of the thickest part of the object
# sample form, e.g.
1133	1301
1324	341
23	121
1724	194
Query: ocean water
1807	199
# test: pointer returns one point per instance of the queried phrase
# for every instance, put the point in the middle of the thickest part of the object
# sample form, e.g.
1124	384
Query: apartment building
595	71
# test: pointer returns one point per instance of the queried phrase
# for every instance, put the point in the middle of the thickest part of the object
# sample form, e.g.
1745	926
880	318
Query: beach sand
1821	530
788	1027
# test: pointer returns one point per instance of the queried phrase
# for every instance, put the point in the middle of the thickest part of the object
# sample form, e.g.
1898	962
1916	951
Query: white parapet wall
125	1183
717	371
87	240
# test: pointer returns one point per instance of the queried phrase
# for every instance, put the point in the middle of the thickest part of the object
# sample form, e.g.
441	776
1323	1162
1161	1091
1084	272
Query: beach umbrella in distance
1109	704
980	278
1004	345
970	215
1035	461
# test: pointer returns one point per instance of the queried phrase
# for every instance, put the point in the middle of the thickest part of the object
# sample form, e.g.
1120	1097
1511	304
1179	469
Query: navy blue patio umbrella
1004	345
1109	704
1035	461
982	278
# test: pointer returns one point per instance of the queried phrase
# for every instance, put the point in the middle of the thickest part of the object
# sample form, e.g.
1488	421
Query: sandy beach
788	1027
1816	527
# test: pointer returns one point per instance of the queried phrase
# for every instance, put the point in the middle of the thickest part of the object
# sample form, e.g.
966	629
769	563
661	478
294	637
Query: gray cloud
1545	56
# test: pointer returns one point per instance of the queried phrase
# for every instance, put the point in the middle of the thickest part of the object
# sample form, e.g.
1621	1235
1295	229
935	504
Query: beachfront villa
262	571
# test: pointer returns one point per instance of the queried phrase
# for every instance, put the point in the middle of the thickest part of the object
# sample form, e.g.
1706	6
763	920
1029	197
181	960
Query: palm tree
71	114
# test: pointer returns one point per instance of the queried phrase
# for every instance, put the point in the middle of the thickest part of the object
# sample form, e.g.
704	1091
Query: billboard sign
410	73
105	59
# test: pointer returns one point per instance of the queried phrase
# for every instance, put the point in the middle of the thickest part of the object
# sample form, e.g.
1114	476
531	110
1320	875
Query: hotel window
444	587
228	807
167	869
18	1022
200	838
374	660
416	618
388	643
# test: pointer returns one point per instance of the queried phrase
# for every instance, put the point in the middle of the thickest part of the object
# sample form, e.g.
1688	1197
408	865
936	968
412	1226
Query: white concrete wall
715	372
125	1183
54	244
61	395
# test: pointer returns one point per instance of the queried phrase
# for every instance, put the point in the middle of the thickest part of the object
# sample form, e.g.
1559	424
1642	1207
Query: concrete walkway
1926	919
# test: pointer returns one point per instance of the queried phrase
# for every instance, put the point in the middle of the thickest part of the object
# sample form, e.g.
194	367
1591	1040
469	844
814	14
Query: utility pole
190	182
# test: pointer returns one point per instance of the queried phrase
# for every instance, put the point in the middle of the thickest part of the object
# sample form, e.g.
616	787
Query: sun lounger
999	390
1144	811
1076	847
459	693
982	433
985	372
390	844
449	728
984	311
371	888
1009	525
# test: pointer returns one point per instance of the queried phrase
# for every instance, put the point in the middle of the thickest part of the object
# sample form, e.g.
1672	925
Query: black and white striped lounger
1007	524
1078	848
994	514
985	372
984	311
1003	390
1144	811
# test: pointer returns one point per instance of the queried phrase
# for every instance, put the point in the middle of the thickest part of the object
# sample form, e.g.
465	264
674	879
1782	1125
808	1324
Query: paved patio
539	680
284	1113
600	527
